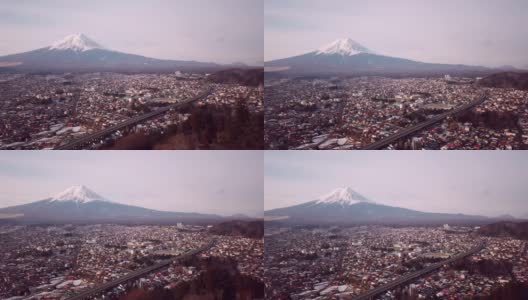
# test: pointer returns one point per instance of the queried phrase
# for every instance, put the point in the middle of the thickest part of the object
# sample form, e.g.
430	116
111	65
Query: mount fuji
79	53
346	206
343	196
348	57
78	204
76	42
78	194
345	47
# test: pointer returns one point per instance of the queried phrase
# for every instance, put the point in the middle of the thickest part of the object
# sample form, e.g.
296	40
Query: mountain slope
340	207
514	80
245	77
517	230
78	204
249	229
348	57
78	53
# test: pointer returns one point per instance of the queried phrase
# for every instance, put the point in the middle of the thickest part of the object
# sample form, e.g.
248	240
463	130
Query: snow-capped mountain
79	194
346	46
79	53
343	196
78	204
348	57
75	42
346	206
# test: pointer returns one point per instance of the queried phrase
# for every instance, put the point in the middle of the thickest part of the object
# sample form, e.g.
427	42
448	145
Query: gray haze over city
219	182
228	31
474	32
489	183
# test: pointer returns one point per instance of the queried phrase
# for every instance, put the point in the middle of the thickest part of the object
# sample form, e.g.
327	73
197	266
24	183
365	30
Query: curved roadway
137	274
407	131
134	120
412	276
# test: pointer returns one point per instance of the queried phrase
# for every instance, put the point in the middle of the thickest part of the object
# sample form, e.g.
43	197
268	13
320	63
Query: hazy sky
224	31
221	182
473	182
476	32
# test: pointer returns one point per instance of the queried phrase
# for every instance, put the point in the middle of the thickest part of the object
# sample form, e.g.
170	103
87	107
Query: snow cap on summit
76	42
79	194
345	46
343	196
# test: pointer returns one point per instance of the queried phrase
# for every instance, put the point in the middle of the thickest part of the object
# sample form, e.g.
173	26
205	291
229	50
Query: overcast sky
220	182
224	31
475	32
488	183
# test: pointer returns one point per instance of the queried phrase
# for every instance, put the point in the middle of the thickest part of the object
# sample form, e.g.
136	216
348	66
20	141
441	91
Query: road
137	274
415	275
410	130
77	143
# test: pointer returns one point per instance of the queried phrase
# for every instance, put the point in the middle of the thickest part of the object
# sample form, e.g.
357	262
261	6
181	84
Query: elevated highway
415	275
89	293
91	137
415	128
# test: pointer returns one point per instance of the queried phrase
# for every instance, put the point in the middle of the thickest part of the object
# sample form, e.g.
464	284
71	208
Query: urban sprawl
343	263
353	113
58	262
46	111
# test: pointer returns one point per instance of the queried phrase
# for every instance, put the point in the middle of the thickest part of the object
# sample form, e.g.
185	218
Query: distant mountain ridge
348	57
78	53
345	206
78	204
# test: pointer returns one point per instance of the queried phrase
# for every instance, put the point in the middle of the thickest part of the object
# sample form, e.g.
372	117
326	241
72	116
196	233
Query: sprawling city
150	234
185	142
410	238
387	113
55	111
437	81
133	82
119	261
345	263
